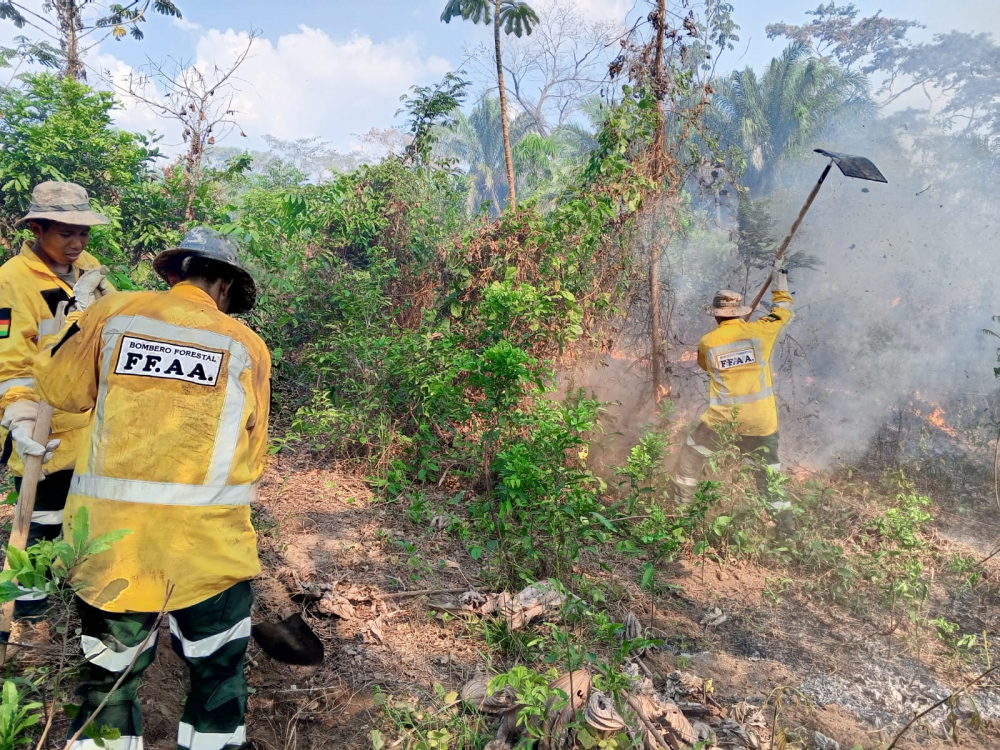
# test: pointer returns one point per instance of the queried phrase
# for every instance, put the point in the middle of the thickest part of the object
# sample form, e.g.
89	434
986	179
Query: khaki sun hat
728	304
65	202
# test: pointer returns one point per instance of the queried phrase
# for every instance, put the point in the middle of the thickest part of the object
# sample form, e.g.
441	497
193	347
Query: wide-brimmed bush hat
204	242
728	304
65	202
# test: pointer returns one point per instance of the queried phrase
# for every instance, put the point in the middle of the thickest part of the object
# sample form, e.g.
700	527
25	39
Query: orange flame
937	419
897	301
689	357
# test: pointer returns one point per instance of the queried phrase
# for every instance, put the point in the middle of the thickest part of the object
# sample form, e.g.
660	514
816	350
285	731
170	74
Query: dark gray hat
203	242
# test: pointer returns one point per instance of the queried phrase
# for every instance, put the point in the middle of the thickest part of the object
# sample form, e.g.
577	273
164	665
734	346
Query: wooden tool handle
22	513
26	504
784	245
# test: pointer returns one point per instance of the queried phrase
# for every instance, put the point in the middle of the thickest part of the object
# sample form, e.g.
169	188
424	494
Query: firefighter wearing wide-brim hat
180	392
55	268
736	356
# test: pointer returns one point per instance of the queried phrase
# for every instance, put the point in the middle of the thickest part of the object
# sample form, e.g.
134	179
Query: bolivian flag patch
4	322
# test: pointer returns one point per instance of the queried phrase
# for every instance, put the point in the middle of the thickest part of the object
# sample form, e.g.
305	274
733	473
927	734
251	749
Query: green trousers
699	447
211	637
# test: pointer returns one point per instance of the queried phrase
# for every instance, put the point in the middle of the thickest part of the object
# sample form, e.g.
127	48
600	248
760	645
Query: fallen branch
634	705
421	592
141	650
940	703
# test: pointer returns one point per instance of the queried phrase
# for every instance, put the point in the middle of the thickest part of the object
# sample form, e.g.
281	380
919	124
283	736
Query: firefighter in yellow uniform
737	358
54	269
180	394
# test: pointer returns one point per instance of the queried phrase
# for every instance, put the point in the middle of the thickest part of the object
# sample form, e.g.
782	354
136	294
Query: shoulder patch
4	322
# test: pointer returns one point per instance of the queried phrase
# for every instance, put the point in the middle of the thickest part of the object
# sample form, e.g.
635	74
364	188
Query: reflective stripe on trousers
188	738
199	649
114	660
122	743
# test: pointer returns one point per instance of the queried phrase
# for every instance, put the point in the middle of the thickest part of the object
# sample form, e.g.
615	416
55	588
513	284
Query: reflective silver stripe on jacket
48	327
161	493
725	398
231	418
747	399
15	382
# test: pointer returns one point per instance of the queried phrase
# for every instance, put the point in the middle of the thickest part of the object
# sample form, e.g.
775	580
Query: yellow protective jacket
29	294
737	357
180	395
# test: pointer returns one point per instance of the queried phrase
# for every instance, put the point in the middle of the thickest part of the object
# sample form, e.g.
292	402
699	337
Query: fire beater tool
857	167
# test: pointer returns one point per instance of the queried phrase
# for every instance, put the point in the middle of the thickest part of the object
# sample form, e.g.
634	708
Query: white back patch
159	359
735	359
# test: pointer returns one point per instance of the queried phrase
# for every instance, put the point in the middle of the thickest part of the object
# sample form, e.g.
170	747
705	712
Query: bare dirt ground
323	526
858	677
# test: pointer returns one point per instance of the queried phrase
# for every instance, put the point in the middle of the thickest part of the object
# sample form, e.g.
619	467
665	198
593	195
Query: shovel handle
22	513
26	504
795	227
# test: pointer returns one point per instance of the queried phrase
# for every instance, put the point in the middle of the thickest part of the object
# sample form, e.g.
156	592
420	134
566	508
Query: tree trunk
655	250
656	339
68	13
503	105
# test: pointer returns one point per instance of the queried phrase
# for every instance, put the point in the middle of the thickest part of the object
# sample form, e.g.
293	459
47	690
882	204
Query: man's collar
187	290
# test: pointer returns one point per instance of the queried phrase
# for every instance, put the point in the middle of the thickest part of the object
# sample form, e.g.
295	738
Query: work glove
90	286
779	278
20	418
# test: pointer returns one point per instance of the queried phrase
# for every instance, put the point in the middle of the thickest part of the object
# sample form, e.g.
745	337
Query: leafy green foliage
59	129
17	717
516	17
428	108
776	116
46	565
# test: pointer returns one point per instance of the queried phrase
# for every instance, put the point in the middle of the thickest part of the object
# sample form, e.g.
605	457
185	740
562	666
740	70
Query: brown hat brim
728	312
75	218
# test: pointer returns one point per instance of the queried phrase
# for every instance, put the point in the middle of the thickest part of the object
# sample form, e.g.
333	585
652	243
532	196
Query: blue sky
335	68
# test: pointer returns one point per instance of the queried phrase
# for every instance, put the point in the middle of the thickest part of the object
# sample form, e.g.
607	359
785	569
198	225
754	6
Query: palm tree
777	115
516	17
480	141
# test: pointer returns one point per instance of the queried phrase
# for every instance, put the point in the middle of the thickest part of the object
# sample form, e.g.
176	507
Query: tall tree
774	116
564	62
200	103
80	25
517	18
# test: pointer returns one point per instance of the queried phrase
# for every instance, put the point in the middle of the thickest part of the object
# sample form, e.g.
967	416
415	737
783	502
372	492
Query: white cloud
309	84
302	85
186	25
